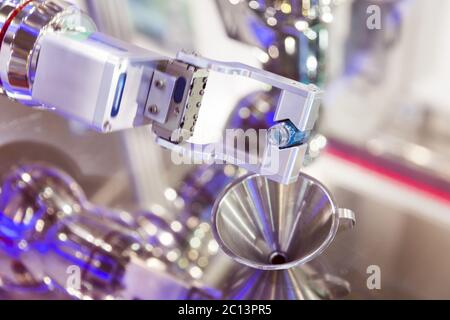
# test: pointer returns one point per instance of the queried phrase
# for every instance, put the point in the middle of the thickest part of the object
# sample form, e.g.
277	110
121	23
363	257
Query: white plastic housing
93	78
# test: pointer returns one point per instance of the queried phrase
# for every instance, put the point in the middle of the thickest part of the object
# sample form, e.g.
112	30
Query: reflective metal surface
24	286
291	37
44	210
400	229
47	223
201	187
270	226
22	24
308	282
25	198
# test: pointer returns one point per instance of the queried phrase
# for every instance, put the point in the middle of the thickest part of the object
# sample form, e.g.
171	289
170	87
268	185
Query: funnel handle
347	219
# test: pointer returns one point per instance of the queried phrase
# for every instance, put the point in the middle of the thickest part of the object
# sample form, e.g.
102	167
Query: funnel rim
288	265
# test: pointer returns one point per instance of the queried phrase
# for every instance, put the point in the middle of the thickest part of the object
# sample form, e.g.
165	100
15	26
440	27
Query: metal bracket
160	96
298	103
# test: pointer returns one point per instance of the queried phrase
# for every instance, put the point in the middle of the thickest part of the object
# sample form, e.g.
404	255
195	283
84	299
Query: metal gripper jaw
278	154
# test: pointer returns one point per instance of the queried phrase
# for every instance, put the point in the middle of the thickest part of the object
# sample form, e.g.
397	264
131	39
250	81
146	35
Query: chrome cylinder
22	25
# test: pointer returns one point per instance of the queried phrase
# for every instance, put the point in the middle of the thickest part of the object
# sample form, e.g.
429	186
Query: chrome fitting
22	24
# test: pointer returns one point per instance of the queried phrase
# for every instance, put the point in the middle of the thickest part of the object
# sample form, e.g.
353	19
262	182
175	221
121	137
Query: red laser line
436	193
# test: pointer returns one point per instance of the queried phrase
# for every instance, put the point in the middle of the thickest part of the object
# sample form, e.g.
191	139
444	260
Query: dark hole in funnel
277	258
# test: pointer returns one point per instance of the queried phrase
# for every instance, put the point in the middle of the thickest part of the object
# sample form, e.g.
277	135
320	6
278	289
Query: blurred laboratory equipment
291	36
200	187
48	224
25	286
393	73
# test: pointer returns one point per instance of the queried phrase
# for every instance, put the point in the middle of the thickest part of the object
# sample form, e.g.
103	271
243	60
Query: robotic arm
51	56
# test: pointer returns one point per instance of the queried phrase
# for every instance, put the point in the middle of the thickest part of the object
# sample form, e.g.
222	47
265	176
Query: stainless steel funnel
269	226
307	282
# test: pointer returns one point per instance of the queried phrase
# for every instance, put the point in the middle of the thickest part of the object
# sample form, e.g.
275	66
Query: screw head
160	84
107	126
153	109
279	135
